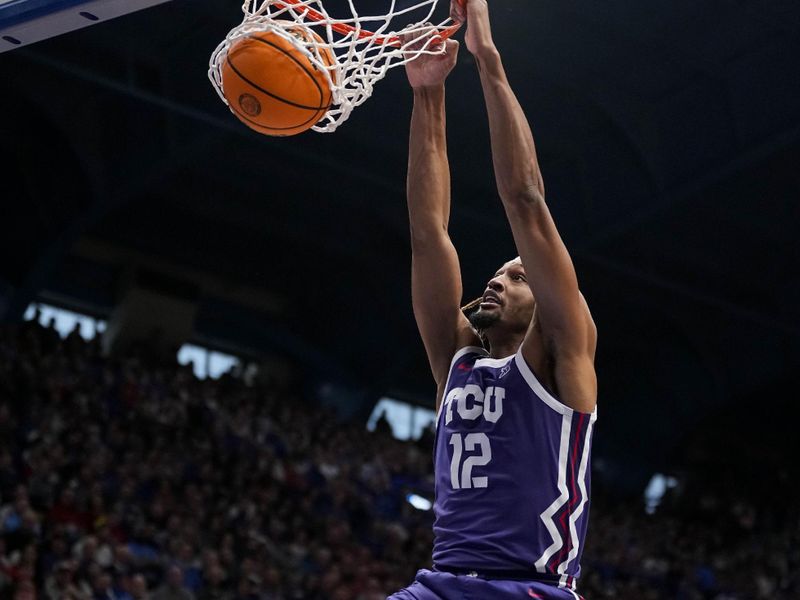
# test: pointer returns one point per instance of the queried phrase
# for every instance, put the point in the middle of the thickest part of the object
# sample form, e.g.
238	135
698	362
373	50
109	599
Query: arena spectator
173	588
129	479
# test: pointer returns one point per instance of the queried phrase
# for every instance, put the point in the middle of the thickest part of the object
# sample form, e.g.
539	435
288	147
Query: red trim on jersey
567	547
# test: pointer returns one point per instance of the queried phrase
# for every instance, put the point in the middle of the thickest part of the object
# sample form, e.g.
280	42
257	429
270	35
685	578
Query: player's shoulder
464	342
464	359
471	351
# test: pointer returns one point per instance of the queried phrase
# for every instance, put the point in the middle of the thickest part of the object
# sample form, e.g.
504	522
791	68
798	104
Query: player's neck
505	344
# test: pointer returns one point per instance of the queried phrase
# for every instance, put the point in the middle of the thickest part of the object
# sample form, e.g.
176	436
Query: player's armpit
436	295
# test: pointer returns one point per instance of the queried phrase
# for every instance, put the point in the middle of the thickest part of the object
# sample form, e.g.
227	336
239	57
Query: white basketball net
365	47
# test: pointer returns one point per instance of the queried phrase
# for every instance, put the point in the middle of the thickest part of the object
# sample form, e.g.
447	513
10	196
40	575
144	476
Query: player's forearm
513	150
428	183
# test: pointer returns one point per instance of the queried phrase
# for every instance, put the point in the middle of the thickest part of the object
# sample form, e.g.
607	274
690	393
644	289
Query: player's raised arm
435	274
561	313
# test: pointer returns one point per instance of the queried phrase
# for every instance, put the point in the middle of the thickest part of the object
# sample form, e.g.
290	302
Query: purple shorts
438	585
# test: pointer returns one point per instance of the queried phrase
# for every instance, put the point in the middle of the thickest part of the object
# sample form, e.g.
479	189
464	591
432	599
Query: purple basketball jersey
512	472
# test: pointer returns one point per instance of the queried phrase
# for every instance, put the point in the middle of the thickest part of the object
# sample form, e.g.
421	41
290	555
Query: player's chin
483	318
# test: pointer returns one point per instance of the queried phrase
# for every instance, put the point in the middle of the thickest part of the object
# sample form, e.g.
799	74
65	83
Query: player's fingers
415	38
446	50
457	12
407	37
475	7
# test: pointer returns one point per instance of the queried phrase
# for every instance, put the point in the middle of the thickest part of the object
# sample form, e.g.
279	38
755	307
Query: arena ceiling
669	136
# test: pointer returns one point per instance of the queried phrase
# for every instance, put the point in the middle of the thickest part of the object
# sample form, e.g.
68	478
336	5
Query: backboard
24	22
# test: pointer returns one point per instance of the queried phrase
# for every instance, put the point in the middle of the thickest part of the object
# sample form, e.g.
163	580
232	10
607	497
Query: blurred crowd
130	479
709	547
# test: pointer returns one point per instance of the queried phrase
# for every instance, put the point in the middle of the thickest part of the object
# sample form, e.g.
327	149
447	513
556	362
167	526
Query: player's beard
484	319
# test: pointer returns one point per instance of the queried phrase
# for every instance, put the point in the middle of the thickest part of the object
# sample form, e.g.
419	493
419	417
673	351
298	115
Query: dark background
668	134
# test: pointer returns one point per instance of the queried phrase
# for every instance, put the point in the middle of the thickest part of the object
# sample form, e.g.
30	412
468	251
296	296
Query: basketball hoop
365	47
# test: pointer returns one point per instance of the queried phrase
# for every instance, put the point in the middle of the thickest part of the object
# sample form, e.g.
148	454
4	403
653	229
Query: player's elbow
426	235
521	182
523	202
523	195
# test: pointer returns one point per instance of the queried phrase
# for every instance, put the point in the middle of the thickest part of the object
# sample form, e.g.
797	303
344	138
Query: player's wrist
428	90
485	50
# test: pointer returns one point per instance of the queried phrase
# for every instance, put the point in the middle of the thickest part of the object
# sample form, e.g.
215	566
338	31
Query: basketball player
516	383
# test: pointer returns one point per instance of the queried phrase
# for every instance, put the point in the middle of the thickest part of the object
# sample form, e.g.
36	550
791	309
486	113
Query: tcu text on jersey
472	402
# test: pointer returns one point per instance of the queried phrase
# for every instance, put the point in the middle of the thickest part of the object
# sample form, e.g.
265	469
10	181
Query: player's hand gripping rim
432	58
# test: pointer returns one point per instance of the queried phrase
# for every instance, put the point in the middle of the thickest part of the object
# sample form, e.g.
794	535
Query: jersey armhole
456	357
538	389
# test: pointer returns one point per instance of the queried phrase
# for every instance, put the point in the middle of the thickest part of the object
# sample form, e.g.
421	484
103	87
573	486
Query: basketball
272	86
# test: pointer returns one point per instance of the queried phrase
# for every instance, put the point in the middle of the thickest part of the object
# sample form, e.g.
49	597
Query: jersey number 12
461	472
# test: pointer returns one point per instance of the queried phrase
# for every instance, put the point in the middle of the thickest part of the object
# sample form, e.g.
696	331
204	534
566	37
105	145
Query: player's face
507	299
